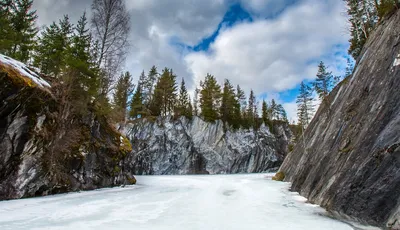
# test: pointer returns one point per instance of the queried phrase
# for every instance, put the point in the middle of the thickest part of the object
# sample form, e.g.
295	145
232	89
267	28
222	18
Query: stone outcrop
182	146
39	157
350	163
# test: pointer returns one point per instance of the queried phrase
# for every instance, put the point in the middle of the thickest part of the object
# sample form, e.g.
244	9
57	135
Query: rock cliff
40	156
350	163
184	146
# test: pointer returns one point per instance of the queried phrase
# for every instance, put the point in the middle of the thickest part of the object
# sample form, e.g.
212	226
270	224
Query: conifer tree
163	102
323	82
349	68
240	107
265	116
210	97
148	85
183	106
123	89
227	103
6	30
305	107
250	110
54	44
23	21
274	113
137	103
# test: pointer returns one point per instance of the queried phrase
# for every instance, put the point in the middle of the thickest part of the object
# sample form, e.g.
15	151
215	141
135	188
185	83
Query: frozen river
173	202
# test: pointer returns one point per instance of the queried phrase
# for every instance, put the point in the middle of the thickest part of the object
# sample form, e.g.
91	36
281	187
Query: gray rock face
182	146
89	154
351	160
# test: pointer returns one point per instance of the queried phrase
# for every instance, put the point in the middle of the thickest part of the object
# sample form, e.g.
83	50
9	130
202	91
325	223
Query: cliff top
19	71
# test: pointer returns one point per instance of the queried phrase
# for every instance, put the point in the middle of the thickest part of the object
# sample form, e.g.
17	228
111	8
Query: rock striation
350	163
182	146
40	157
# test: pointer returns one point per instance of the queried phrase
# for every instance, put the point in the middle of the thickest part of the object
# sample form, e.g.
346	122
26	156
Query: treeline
363	17
322	85
158	94
83	58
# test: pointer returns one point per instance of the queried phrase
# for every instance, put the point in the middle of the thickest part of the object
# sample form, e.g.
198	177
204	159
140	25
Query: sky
270	46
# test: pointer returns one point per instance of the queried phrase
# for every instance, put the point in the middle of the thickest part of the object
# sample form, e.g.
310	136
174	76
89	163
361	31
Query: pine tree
274	113
323	82
183	107
282	116
54	44
240	107
6	31
163	102
148	85
123	89
210	96
250	110
305	107
228	103
264	111
349	68
24	30
363	17
137	103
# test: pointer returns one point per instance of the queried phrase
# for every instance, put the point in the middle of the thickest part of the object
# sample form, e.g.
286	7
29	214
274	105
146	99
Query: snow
247	201
396	61
24	70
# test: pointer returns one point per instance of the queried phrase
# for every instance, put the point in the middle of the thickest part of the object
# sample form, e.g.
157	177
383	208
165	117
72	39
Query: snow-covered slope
194	146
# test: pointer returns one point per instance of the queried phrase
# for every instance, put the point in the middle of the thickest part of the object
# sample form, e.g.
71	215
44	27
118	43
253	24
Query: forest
85	60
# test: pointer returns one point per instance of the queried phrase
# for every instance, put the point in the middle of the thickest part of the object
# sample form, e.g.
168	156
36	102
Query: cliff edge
350	163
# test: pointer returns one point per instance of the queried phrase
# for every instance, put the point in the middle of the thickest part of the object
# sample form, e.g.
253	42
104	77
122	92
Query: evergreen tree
250	110
6	31
137	103
349	67
305	107
228	103
264	111
210	96
240	107
274	112
148	85
323	82
123	89
24	30
282	116
164	94
54	44
183	107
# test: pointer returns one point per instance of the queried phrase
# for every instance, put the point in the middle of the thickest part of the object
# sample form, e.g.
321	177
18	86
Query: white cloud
269	56
274	55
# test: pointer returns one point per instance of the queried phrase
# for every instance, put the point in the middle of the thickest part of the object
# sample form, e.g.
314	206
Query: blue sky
269	46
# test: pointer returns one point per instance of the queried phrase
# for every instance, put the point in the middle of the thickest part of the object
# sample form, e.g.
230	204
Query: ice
24	70
247	201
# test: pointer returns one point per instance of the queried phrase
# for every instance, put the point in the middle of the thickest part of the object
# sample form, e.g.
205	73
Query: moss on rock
279	176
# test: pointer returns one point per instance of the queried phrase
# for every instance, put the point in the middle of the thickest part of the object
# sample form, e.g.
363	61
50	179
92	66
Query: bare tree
111	26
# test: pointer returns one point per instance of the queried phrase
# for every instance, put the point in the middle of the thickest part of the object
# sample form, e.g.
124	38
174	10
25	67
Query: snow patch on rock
396	61
24	70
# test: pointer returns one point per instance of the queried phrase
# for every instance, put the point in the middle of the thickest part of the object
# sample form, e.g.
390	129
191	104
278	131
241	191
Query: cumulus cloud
274	55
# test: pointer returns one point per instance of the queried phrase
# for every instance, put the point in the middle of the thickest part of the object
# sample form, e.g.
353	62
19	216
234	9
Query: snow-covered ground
249	201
